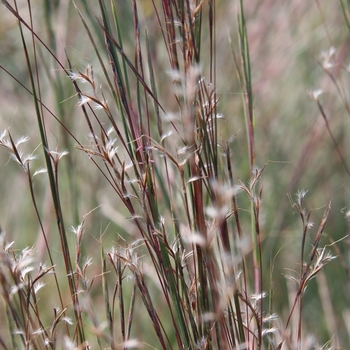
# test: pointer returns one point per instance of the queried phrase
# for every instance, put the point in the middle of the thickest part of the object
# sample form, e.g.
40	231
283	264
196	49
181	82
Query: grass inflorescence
161	224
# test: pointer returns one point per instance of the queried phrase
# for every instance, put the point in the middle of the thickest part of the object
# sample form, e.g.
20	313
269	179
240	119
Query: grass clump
173	244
